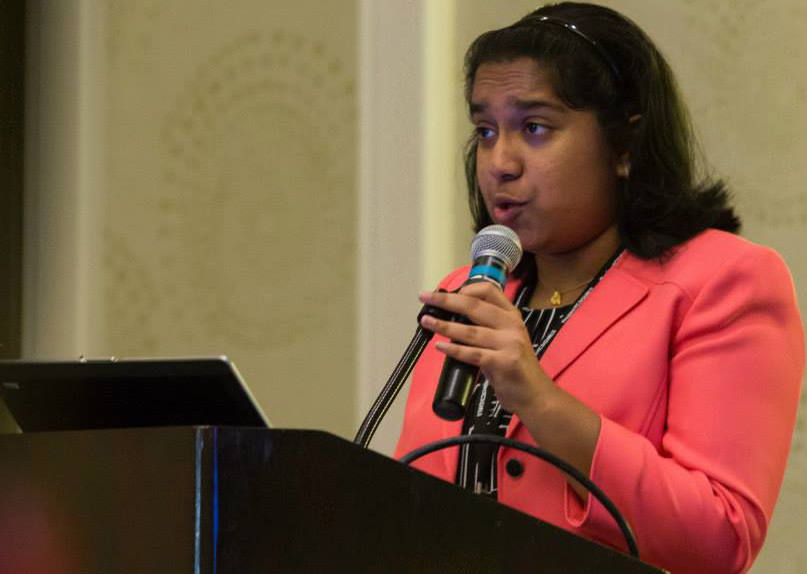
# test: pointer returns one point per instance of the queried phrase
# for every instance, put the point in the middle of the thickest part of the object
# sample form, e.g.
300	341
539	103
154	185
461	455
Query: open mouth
507	203
506	209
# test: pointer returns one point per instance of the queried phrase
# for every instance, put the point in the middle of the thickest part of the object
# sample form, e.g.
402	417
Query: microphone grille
497	241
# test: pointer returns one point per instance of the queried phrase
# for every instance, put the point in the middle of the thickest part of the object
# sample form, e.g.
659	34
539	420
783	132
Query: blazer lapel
616	294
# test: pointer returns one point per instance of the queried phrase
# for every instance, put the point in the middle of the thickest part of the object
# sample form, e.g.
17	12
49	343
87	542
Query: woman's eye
483	132
536	129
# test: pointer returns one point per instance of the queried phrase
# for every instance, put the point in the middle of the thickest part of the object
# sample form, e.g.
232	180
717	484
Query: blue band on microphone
488	271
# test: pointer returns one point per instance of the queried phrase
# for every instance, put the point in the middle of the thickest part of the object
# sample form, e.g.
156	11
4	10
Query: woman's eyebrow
519	104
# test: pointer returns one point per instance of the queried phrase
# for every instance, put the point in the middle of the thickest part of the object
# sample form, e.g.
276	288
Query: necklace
557	295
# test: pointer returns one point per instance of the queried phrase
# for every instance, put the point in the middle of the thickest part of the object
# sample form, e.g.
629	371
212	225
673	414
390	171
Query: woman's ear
623	163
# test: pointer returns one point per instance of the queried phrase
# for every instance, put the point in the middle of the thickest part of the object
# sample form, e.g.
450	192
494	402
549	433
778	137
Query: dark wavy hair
617	72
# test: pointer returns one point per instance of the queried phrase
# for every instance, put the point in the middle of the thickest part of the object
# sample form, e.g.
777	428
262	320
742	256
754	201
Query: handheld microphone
495	251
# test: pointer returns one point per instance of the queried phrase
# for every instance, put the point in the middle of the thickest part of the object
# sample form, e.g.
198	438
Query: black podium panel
234	500
98	501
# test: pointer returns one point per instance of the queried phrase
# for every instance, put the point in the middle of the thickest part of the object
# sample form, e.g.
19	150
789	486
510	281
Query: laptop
111	393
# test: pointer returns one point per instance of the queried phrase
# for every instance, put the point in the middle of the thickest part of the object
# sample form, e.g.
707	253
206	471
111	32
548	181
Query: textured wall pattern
254	166
230	198
740	65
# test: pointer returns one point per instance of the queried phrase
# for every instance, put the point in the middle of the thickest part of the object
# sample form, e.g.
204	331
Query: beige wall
230	203
211	159
193	187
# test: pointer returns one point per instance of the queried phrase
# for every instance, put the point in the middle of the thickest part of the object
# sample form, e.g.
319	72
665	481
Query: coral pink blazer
694	365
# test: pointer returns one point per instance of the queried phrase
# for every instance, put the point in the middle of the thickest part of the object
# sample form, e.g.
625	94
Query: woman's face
545	170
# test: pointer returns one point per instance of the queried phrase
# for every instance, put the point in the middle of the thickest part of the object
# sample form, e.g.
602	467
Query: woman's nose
506	163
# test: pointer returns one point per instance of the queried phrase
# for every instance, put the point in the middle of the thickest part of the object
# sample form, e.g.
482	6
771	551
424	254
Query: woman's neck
571	271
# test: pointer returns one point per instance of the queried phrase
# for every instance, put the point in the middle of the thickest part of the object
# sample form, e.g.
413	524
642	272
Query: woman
639	339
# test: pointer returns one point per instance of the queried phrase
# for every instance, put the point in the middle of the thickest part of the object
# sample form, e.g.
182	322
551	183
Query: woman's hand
497	343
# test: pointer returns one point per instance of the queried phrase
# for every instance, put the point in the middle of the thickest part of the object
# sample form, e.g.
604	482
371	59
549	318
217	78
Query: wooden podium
205	500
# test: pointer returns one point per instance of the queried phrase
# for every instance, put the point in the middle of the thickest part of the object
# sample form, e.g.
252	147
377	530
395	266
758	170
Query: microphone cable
399	375
544	455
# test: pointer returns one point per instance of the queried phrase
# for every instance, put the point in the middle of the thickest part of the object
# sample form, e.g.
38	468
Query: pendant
555	299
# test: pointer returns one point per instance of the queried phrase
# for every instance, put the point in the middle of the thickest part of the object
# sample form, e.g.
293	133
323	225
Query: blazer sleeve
704	498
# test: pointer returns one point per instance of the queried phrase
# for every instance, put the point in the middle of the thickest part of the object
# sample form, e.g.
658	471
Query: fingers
499	357
483	304
470	355
472	335
487	291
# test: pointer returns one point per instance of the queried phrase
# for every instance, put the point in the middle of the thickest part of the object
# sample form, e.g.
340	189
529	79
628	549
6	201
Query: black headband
590	41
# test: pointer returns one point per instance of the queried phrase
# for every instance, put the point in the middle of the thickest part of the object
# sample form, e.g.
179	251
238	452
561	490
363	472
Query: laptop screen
96	394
